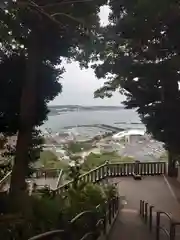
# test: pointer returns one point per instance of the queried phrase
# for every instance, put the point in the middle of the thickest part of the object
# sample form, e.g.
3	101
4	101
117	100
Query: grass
79	147
95	160
48	159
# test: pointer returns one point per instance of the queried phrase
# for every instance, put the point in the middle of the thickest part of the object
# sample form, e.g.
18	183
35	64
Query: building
130	136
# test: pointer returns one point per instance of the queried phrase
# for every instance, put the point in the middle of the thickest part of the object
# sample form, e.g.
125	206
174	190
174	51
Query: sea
60	121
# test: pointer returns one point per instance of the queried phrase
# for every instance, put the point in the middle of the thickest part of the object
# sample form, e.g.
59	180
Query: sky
79	84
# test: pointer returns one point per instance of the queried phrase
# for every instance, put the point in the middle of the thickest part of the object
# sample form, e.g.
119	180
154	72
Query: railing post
103	172
165	165
95	175
172	231
140	208
146	213
157	225
150	217
109	212
105	223
148	172
113	208
143	209
107	169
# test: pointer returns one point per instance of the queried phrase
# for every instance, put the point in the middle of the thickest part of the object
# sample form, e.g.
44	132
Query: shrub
51	212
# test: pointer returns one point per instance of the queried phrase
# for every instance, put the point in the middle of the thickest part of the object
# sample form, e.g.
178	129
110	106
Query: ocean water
122	118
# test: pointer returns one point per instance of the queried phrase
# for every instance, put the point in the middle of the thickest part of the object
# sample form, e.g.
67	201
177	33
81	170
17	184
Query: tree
12	68
48	31
35	149
141	59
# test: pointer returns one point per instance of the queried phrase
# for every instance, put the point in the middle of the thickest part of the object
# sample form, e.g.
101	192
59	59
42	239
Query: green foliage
36	36
84	197
35	149
13	74
46	213
140	58
56	211
95	160
76	147
48	159
50	213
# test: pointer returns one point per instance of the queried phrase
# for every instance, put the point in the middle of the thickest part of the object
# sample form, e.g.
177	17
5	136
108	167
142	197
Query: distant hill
55	110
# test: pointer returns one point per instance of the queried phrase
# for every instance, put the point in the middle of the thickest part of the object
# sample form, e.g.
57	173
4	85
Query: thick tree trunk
170	95
18	193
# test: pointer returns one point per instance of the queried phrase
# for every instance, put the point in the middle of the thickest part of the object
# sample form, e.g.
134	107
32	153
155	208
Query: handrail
94	169
111	209
59	178
80	215
165	213
165	231
173	230
5	179
87	235
159	227
46	235
146	214
116	170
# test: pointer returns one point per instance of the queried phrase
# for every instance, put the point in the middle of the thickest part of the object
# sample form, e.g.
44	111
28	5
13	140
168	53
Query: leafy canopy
140	58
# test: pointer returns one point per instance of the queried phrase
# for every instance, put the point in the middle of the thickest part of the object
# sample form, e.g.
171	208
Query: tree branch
65	2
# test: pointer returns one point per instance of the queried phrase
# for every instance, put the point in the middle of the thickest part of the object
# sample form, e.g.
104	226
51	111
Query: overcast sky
79	85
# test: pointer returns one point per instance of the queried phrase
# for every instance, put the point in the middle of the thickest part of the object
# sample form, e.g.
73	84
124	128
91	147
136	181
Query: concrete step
129	226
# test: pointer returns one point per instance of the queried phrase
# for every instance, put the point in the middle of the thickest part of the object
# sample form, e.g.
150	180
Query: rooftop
129	132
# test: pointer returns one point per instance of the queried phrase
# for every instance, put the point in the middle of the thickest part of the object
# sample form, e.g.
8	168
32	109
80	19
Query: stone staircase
131	225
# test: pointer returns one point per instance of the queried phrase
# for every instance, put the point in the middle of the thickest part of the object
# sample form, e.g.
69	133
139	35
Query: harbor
103	138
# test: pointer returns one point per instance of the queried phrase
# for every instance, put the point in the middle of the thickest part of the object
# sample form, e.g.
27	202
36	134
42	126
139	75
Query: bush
48	159
76	147
51	212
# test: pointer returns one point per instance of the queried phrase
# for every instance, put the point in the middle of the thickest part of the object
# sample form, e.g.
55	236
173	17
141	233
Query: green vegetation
76	147
145	66
95	160
35	37
54	212
48	159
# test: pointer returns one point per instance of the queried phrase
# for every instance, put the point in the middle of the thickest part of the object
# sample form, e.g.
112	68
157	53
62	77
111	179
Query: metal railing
100	173
59	180
38	173
6	180
147	211
46	173
118	170
97	226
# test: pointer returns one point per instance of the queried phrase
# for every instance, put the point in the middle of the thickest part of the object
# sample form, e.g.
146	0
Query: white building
129	135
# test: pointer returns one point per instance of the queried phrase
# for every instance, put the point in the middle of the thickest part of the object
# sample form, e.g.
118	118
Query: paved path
154	190
52	182
129	227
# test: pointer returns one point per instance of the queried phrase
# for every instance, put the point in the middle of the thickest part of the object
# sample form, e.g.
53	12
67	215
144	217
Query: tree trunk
18	193
170	95
172	171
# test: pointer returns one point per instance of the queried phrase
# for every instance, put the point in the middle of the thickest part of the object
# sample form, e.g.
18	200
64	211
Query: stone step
129	226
